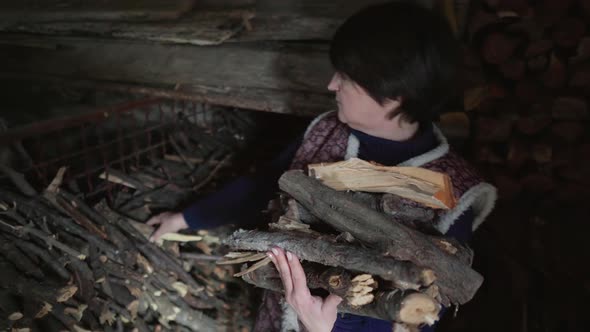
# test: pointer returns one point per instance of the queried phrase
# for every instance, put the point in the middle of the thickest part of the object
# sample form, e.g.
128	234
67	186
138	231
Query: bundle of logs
381	253
69	264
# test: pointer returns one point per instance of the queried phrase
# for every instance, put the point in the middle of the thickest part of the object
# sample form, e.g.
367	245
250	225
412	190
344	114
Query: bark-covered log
458	282
405	275
356	289
407	306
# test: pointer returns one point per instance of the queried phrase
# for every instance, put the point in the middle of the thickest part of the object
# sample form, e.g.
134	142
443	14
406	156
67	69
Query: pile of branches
384	259
70	264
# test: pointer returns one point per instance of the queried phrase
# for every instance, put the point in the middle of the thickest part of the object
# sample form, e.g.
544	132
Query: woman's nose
334	84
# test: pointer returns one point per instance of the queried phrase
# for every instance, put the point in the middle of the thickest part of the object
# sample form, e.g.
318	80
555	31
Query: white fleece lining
289	321
352	148
481	198
439	151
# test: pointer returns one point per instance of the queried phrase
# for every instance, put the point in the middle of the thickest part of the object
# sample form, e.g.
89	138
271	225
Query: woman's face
356	108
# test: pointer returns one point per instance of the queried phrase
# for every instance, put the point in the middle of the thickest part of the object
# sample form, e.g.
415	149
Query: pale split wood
248	258
419	308
147	230
431	188
114	179
254	267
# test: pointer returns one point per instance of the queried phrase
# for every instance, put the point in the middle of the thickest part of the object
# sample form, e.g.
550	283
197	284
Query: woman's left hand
317	314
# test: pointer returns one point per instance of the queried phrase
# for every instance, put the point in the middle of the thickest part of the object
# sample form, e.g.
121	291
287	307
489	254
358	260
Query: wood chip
44	310
254	267
249	258
66	293
15	316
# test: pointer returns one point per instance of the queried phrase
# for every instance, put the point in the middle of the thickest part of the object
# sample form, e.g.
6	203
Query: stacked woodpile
376	251
84	265
526	91
526	94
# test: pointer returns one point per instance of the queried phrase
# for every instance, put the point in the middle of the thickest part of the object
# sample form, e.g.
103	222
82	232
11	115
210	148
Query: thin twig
213	173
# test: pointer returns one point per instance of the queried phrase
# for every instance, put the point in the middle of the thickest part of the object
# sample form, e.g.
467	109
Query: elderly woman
394	73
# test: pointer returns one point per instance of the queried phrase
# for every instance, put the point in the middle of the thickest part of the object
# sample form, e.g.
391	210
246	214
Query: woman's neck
395	129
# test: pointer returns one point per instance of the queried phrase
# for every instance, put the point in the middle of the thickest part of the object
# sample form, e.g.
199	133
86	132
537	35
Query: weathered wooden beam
298	68
197	28
110	10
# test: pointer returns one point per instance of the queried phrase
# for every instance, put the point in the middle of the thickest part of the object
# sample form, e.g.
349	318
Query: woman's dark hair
399	49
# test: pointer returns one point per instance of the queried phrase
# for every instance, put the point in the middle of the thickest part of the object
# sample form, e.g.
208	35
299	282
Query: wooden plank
198	28
268	100
325	8
299	67
77	10
289	27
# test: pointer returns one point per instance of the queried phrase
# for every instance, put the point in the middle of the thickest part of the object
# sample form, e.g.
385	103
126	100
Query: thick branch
457	281
405	275
408	306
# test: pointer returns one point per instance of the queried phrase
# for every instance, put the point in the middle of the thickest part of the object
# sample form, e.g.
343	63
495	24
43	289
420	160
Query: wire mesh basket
122	137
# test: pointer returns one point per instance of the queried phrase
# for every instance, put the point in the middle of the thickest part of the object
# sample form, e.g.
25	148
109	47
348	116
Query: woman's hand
317	314
169	223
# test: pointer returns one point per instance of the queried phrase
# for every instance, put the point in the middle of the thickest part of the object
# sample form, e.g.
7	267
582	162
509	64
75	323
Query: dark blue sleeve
241	201
462	229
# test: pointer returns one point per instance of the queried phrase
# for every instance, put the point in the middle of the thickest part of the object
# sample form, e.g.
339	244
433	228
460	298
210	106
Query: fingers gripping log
409	306
404	275
457	281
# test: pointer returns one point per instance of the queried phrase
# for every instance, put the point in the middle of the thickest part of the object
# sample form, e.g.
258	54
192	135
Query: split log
403	274
518	154
493	129
119	177
555	75
408	306
418	184
498	47
568	32
570	108
542	153
198	28
455	125
457	281
513	69
527	91
568	131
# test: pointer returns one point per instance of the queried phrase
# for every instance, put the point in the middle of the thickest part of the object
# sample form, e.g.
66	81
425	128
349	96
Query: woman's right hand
169	222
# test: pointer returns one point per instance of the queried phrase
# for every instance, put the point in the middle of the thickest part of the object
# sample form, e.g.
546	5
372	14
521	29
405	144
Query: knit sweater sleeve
240	201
